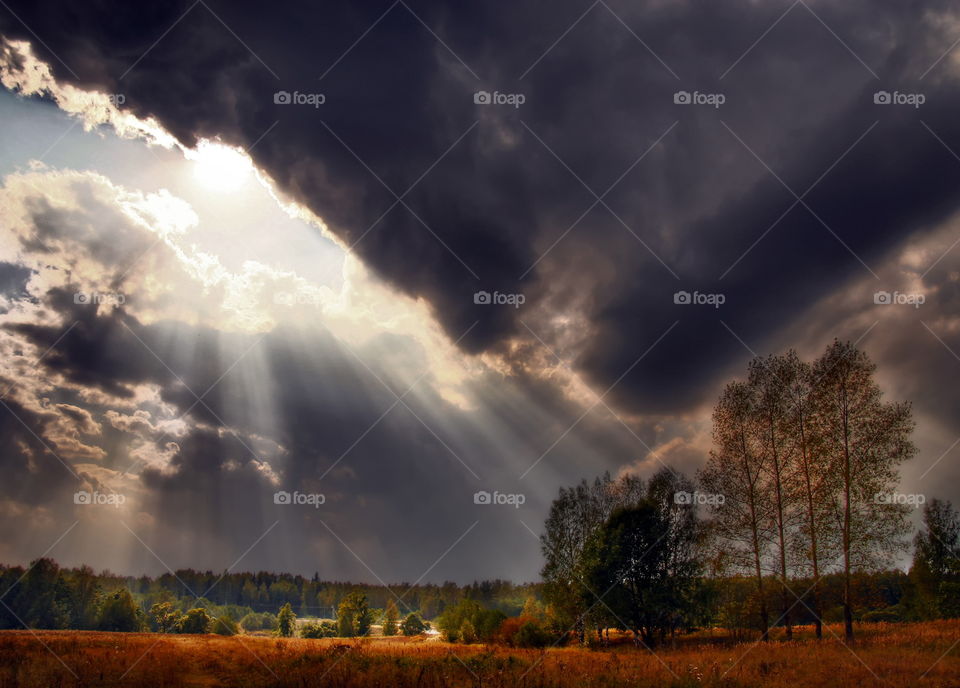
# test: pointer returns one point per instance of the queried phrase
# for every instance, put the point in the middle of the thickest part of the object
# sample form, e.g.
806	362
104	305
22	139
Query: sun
220	168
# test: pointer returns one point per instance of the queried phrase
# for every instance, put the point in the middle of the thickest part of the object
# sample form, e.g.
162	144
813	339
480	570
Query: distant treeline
44	595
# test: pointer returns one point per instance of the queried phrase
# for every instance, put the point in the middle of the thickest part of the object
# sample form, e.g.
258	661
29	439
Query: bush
323	629
413	625
468	634
532	634
195	621
225	625
485	622
889	615
264	621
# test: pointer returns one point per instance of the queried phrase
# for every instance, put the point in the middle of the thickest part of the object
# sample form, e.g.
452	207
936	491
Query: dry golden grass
924	655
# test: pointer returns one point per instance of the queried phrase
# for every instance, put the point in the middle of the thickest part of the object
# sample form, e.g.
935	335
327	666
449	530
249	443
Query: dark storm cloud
682	218
398	99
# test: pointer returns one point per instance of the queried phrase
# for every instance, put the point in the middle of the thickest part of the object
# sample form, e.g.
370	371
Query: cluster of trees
801	515
311	596
623	554
44	595
806	458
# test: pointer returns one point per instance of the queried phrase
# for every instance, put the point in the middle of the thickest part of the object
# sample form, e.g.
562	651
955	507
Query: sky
294	288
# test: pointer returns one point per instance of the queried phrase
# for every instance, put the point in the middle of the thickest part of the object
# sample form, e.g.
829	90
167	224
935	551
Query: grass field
925	654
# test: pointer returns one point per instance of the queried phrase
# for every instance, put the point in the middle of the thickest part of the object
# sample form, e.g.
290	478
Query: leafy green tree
118	612
390	618
353	615
575	516
413	625
286	621
935	573
645	558
195	621
163	618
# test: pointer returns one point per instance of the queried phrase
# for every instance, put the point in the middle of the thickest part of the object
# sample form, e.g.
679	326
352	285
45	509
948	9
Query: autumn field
923	654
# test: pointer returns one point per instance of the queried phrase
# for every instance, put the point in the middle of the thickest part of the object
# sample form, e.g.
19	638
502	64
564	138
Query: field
885	655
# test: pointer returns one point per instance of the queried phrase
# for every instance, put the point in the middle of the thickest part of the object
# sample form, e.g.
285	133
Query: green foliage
118	612
645	558
482	624
354	616
195	621
532	634
413	625
935	574
262	621
322	629
163	618
390	618
225	625
286	621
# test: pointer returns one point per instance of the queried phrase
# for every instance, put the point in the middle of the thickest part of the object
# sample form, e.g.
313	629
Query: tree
645	560
864	441
741	520
575	516
413	625
935	572
164	618
390	618
766	378
815	535
195	621
286	621
118	612
353	615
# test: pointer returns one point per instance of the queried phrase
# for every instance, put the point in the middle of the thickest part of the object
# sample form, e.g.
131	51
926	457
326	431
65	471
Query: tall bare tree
735	470
772	425
814	538
864	441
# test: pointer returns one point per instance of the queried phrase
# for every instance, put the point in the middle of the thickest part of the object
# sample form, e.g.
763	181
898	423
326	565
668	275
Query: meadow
920	654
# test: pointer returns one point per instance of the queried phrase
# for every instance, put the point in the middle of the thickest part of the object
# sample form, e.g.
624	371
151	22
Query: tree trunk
847	517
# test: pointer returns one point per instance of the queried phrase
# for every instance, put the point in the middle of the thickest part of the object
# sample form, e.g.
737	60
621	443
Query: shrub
485	622
263	621
889	614
225	625
197	620
413	625
322	629
532	634
468	634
